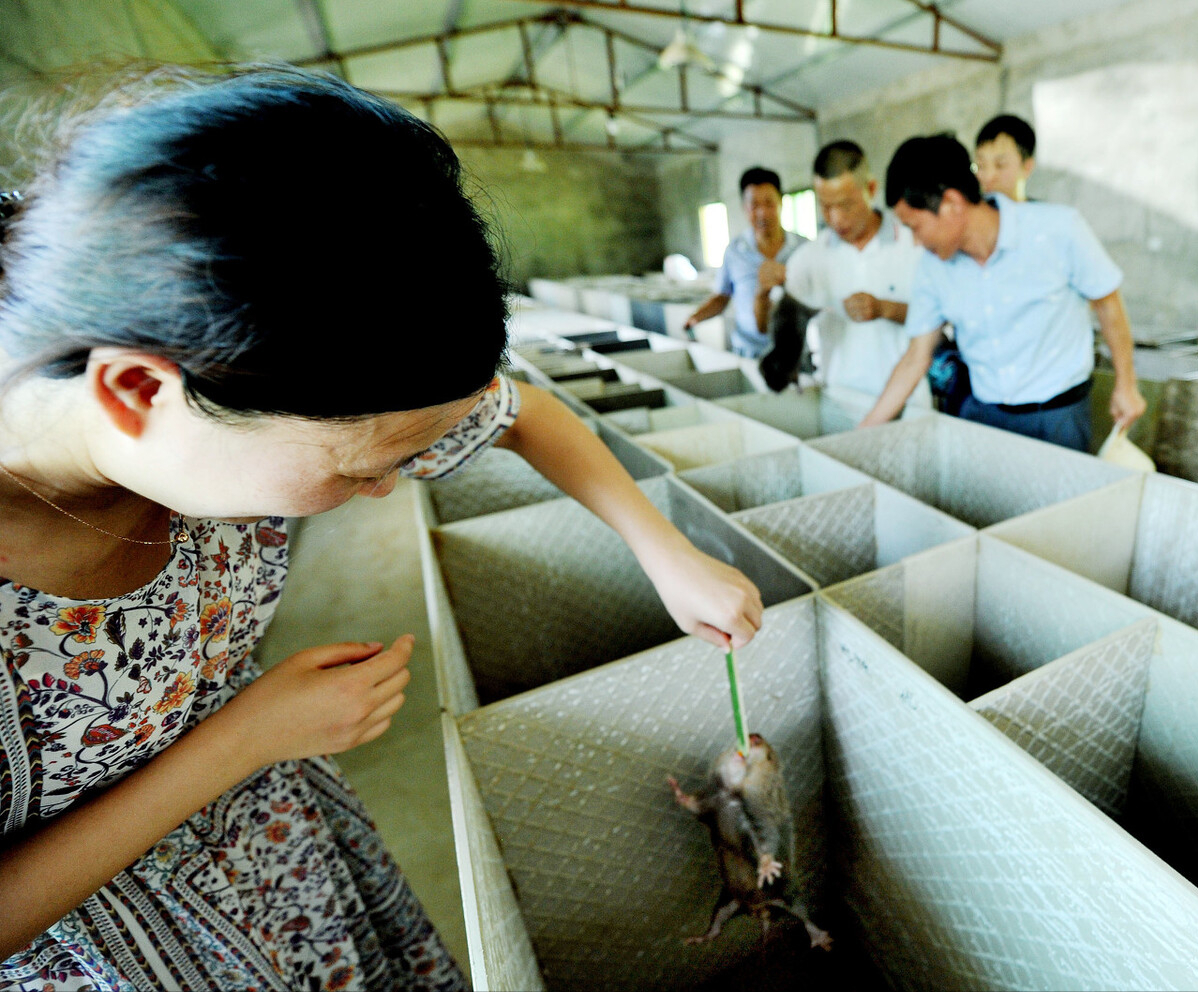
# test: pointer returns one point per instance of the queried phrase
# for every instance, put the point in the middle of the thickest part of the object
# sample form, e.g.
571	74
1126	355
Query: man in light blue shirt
1017	281
761	197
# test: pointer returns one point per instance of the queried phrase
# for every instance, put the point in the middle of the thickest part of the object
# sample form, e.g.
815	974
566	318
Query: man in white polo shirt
857	273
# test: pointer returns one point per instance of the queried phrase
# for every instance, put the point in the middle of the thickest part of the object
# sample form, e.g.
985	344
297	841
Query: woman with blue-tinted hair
228	299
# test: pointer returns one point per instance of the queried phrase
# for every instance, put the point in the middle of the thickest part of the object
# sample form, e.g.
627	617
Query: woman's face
271	466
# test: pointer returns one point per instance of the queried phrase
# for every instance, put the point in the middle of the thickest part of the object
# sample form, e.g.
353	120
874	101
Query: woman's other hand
323	700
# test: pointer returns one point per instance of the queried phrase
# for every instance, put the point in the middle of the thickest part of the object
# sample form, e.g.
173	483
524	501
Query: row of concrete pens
979	666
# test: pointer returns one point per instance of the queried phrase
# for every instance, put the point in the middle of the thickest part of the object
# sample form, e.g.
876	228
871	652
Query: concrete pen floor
355	575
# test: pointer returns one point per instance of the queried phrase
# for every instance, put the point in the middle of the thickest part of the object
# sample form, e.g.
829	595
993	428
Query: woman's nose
378	488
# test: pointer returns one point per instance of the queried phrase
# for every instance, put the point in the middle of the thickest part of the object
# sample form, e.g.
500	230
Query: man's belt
1070	396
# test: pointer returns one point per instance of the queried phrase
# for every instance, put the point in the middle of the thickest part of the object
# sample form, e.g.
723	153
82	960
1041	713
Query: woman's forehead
405	427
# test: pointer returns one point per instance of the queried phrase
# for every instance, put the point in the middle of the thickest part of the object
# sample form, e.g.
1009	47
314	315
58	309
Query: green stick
738	709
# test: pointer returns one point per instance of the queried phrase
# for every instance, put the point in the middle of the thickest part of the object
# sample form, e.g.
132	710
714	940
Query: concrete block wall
585	214
686	182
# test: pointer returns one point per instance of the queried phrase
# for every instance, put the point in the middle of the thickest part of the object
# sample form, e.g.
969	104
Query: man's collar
888	232
1008	220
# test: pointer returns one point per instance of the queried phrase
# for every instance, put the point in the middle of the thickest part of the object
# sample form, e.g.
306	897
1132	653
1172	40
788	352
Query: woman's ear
128	384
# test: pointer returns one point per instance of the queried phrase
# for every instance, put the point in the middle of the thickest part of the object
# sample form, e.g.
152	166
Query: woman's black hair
295	245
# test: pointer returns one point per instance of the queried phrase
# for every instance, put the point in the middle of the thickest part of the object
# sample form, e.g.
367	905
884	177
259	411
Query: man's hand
772	273
862	307
1127	404
911	368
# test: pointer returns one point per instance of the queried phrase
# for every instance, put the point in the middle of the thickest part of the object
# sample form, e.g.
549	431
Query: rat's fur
745	807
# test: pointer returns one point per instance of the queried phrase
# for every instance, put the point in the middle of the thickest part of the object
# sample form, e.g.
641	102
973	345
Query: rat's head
760	752
734	766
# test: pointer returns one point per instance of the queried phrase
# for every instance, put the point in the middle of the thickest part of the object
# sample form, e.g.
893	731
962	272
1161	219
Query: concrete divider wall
501	480
971	472
967	864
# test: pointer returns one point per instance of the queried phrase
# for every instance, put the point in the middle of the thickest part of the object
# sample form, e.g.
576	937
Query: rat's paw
686	802
819	938
768	869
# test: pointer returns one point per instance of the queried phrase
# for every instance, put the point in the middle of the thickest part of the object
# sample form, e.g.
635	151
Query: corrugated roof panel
363	23
568	44
656	88
479	59
265	28
865	18
858	70
921	31
416	68
578	64
592	128
472	13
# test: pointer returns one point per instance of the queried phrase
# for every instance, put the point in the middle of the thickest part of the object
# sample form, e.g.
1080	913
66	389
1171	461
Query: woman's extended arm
704	596
46	873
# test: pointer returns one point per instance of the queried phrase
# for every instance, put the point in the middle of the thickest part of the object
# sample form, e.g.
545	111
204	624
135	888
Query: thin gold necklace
181	537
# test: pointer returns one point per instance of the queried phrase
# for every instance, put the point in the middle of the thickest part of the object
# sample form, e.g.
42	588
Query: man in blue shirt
1017	281
761	197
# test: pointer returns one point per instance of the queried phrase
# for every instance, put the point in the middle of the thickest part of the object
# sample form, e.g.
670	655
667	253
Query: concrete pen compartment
964	862
499	480
936	851
977	474
544	591
836	535
1124	698
714	384
815	412
708	444
1138	536
603	875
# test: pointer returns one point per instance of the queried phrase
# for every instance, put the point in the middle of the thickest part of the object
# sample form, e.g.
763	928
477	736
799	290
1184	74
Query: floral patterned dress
283	883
